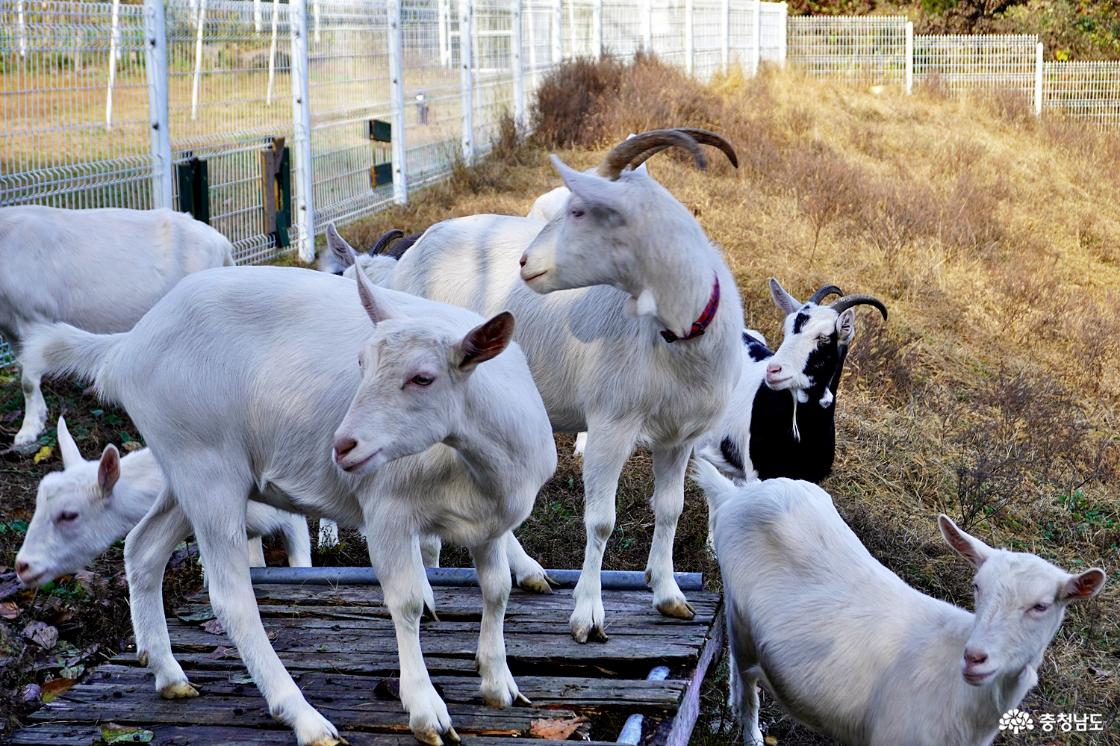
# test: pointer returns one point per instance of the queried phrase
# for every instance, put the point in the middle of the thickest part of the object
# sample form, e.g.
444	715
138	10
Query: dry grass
992	392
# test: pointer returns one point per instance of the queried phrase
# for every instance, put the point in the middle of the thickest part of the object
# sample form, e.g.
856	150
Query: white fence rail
179	102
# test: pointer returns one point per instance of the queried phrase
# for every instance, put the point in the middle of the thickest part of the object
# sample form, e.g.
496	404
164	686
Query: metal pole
301	131
689	42
612	580
557	19
572	53
396	95
631	733
155	53
647	25
1038	80
515	44
271	51
114	52
200	22
783	35
21	29
444	42
597	28
725	41
530	15
466	78
756	54
909	82
257	16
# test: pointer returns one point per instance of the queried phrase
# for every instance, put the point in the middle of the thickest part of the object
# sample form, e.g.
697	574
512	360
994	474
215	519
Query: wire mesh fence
864	49
1083	91
990	62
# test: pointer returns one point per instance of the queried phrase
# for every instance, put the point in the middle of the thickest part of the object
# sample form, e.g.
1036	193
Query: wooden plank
680	730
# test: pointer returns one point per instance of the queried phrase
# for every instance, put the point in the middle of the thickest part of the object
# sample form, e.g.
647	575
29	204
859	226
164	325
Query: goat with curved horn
386	238
848	301
704	137
824	292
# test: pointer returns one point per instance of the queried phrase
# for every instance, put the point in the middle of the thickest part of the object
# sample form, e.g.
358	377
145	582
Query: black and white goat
781	419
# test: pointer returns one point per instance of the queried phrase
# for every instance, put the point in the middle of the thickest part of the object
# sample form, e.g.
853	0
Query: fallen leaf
30	694
9	587
42	634
221	652
72	672
555	729
133	445
8	610
43	454
56	688
214	627
113	733
771	741
198	616
240	678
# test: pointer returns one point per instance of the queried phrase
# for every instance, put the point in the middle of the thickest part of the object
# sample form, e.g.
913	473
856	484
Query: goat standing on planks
83	509
849	648
630	320
99	270
238	380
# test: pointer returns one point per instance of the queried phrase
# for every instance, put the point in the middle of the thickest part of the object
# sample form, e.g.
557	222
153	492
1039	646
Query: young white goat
81	510
100	270
239	379
854	652
642	348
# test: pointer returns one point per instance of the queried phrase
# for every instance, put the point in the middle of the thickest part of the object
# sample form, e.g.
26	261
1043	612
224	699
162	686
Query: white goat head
815	341
78	514
1020	602
411	392
617	219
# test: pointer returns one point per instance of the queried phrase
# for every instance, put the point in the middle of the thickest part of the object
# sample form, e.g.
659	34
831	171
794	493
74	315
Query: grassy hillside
991	394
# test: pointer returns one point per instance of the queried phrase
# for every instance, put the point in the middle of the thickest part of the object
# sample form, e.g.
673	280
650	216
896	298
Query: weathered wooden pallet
337	641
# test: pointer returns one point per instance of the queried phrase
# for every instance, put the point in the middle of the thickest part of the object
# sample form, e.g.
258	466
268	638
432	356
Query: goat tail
717	488
65	350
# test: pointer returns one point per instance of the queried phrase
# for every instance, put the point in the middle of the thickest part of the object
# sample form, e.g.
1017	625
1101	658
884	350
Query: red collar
701	324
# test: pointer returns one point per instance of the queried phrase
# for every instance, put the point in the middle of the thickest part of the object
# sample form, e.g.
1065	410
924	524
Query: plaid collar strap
701	324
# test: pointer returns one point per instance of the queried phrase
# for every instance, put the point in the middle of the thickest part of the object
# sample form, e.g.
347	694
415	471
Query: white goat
238	380
849	648
81	510
100	270
643	347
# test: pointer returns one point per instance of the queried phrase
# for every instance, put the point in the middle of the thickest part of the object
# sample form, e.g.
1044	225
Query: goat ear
484	341
846	325
595	191
786	302
341	253
109	469
368	293
71	456
1084	586
969	547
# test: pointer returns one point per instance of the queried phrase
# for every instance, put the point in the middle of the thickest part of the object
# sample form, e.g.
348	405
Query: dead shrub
968	216
568	97
827	187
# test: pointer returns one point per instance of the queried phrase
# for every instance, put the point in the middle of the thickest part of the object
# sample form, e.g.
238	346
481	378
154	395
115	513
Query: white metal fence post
725	35
200	24
114	52
301	131
155	68
442	12
515	44
554	32
396	96
647	24
466	77
1038	80
689	35
597	28
783	34
756	44
909	80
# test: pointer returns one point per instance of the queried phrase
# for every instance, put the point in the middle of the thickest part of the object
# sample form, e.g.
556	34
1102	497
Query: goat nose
343	446
522	260
975	657
22	567
774	368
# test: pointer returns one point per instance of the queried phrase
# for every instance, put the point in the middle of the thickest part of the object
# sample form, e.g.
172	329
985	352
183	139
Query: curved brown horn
843	304
621	156
386	238
706	137
824	292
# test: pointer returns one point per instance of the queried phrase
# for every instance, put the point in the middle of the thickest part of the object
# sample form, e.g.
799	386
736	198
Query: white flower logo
1016	721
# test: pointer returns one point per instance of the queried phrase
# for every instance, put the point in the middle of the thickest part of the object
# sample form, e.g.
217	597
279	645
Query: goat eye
825	339
360	363
422	380
577	212
1040	608
66	517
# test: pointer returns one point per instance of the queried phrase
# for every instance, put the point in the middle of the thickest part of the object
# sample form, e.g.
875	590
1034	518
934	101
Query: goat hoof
178	690
677	608
594	633
429	737
329	741
536	584
142	658
453	736
521	699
